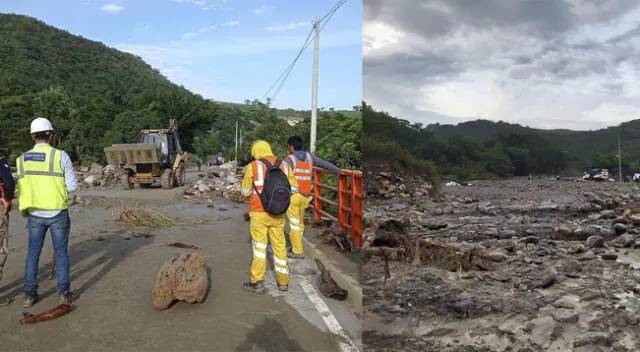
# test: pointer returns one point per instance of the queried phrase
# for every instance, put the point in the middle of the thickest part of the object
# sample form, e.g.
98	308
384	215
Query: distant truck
158	157
596	174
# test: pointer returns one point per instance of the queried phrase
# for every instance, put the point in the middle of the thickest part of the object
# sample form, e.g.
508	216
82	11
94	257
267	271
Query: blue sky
227	50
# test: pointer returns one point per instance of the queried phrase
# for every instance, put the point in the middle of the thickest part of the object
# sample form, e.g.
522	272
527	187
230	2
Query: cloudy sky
228	50
543	63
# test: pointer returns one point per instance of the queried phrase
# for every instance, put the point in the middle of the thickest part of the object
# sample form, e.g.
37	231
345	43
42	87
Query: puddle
399	205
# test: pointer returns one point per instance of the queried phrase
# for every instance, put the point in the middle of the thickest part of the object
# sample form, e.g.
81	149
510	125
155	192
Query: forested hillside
482	148
585	145
96	96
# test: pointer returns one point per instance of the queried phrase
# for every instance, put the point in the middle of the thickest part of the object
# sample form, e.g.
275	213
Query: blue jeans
60	227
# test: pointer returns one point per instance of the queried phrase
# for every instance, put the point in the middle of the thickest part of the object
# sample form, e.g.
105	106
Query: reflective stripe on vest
259	170
40	180
304	172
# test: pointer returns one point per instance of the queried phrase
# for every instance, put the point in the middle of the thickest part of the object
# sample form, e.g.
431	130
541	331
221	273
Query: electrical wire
283	77
290	67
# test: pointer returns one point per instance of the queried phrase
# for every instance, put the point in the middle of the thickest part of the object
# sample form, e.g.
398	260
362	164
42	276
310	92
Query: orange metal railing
349	204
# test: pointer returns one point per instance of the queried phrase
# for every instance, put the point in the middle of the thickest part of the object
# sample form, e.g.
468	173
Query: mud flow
504	266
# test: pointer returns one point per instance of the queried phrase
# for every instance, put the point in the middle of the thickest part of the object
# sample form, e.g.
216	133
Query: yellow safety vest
40	180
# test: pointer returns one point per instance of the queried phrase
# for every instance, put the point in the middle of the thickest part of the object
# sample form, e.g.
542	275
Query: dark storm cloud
371	9
431	67
434	18
625	36
539	30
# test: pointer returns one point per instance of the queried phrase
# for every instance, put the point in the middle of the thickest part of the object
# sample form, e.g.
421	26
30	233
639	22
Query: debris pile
97	175
544	266
332	236
144	218
220	181
387	185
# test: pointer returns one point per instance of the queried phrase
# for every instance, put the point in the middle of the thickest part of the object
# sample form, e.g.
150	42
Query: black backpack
276	194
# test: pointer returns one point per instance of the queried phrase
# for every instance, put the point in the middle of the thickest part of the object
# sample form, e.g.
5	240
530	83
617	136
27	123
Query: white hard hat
40	124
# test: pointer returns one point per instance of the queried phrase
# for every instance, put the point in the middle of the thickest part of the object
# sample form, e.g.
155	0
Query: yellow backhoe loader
158	157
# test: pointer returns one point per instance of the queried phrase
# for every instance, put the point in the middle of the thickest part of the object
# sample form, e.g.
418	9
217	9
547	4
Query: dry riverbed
506	266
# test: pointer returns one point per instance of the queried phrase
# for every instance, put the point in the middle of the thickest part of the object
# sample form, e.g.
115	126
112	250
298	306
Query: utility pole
619	160
314	88
236	152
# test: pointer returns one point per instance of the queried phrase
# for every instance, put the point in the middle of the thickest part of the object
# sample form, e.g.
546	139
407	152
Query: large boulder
92	180
96	169
182	278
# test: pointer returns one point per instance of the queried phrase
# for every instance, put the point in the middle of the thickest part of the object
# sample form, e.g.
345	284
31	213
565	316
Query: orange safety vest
303	170
259	170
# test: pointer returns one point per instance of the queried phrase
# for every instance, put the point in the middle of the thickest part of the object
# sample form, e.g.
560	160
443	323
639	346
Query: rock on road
113	270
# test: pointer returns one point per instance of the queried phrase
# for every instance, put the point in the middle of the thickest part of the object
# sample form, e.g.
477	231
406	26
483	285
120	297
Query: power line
333	10
304	46
284	75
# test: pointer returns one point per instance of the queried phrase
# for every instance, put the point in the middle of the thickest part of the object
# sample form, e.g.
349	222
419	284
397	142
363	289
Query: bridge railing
348	204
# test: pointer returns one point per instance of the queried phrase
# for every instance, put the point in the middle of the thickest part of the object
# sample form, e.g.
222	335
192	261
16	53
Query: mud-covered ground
114	267
559	274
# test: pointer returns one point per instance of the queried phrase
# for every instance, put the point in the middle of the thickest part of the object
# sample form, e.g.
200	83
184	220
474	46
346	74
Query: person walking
302	163
45	179
269	183
7	191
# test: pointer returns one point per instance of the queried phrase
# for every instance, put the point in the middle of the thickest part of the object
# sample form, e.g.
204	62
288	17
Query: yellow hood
260	149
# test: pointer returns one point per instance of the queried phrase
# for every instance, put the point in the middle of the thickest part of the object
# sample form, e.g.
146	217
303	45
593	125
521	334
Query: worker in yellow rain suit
265	227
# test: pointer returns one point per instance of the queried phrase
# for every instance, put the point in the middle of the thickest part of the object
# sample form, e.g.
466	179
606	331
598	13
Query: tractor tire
167	179
181	175
124	181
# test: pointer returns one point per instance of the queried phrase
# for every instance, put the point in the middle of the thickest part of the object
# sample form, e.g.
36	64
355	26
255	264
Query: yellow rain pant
295	216
265	229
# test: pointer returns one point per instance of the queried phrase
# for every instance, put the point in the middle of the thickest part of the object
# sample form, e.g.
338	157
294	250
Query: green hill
585	145
96	96
482	148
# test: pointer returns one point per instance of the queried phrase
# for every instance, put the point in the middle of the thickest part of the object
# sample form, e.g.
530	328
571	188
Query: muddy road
508	266
114	268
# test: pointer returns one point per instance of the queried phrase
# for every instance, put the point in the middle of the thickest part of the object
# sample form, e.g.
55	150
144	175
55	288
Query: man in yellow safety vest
302	164
45	179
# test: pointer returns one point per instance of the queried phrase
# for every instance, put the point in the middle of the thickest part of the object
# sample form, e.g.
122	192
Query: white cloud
143	27
175	58
189	35
231	23
262	10
112	8
288	27
207	29
177	52
208	4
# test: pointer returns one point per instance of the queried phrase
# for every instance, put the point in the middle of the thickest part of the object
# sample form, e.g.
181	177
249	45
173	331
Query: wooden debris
632	215
331	238
328	286
391	240
449	257
49	314
180	245
144	218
